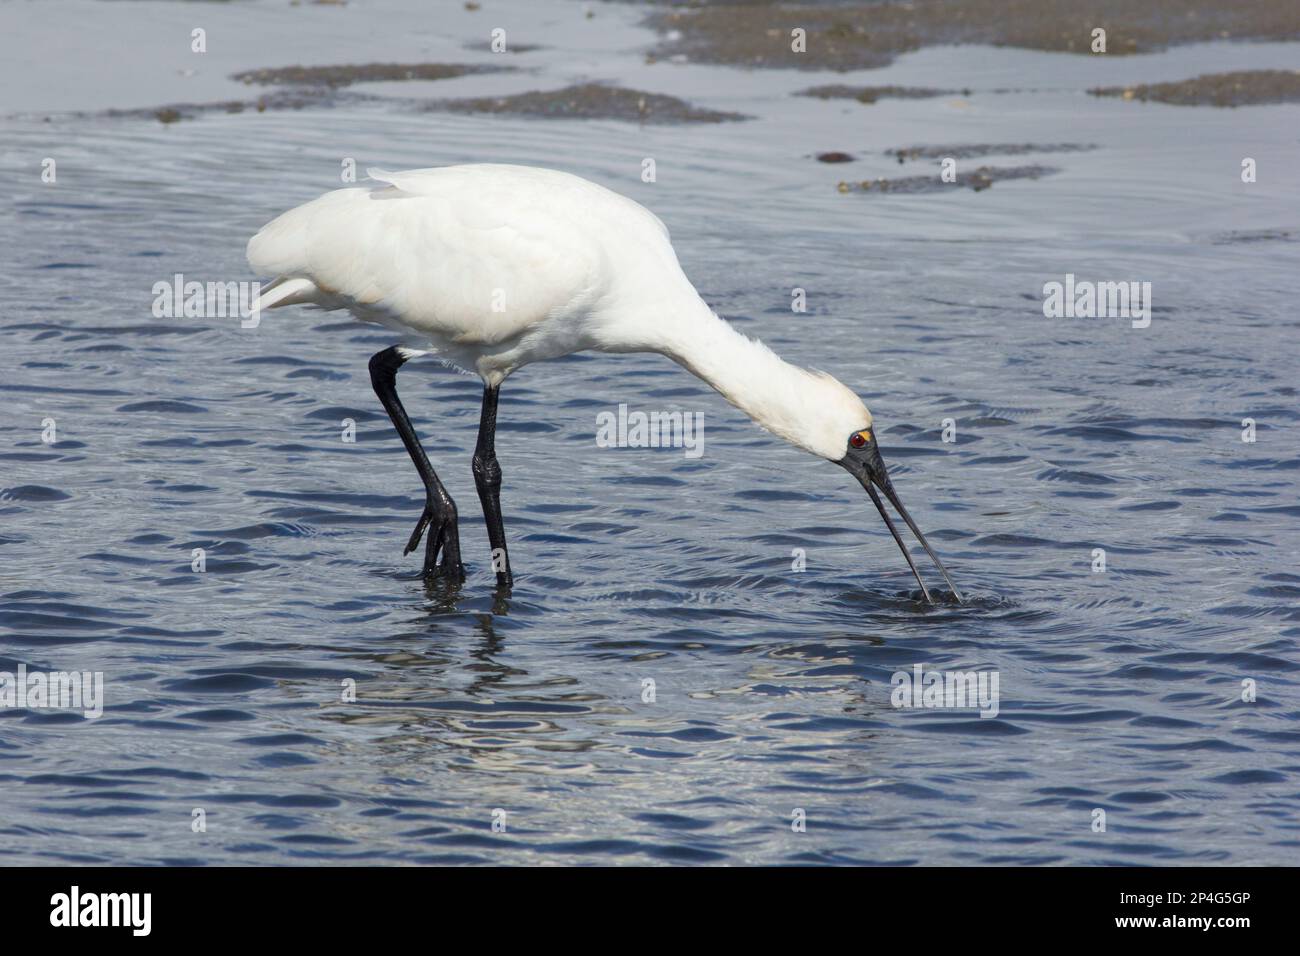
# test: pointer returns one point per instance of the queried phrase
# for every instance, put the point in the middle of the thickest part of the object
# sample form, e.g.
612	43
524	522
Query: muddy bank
299	87
841	38
1255	235
978	180
340	75
972	150
295	99
1246	88
478	45
870	94
969	151
588	101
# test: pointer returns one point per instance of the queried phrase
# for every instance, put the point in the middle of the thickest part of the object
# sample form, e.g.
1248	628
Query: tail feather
287	290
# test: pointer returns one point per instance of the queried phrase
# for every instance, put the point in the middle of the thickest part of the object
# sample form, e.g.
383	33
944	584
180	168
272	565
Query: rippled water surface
1120	690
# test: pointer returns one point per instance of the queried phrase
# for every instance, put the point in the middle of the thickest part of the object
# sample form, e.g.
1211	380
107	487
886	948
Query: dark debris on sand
1244	88
978	180
589	101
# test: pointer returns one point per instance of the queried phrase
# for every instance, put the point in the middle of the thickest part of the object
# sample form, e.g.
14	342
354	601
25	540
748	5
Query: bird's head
840	429
809	409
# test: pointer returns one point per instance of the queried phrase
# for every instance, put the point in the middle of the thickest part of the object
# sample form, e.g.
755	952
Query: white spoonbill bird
491	267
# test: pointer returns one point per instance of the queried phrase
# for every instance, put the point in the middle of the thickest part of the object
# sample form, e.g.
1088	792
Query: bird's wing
471	259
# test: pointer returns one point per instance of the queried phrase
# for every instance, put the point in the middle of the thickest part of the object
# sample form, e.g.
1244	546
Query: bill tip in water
937	598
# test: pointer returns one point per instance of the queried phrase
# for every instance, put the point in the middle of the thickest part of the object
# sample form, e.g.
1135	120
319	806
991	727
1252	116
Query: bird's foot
444	539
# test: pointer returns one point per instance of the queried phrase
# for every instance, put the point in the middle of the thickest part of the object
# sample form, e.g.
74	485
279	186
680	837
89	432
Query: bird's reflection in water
447	694
444	596
443	592
501	600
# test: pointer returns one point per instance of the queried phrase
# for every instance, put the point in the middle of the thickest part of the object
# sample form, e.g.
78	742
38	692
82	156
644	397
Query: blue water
1119	690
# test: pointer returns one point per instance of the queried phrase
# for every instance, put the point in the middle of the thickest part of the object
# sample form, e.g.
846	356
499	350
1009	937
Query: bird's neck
742	370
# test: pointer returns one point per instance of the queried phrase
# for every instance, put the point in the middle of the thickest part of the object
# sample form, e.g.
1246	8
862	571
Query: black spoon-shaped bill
862	460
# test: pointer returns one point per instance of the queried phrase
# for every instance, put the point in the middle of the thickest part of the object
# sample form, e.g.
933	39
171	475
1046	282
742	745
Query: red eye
856	440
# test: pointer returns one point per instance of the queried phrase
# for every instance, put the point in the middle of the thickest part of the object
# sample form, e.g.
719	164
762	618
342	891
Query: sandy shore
872	35
1240	88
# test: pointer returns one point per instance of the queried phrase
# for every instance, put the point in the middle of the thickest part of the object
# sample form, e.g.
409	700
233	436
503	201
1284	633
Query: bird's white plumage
493	267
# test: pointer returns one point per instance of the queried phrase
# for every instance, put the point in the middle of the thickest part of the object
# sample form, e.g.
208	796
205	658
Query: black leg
487	478
439	510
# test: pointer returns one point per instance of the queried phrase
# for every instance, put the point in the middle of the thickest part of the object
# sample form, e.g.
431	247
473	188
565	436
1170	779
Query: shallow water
1119	690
